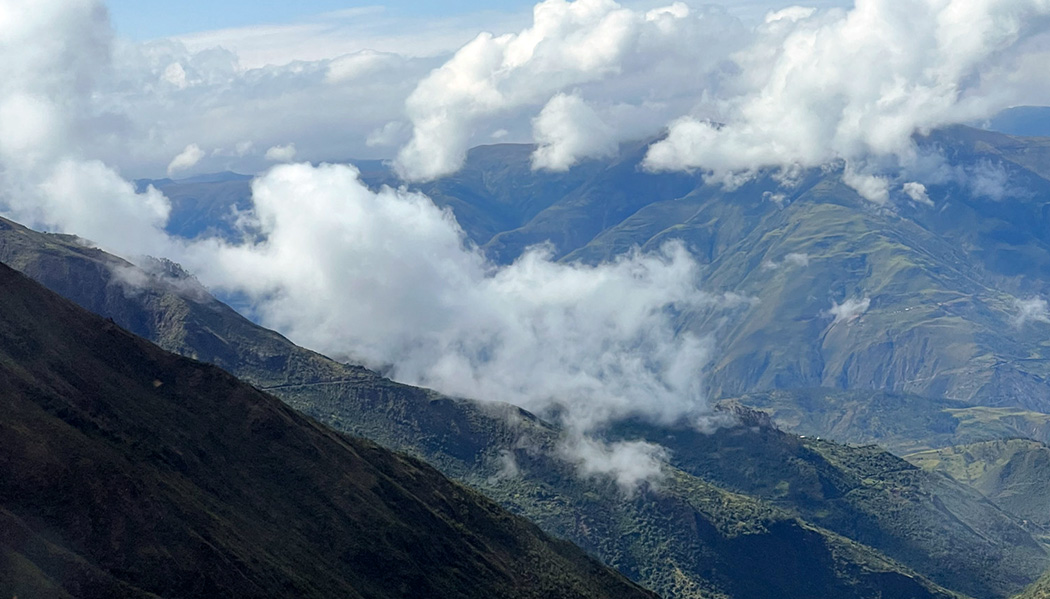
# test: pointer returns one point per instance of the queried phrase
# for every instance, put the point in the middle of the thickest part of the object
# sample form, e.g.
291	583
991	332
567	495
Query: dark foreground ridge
126	471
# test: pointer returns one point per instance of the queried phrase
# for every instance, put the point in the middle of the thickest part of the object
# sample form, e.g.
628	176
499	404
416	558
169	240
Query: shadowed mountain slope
128	471
1014	473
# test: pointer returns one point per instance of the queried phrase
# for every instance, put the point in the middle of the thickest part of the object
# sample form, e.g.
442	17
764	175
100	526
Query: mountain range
936	351
853	517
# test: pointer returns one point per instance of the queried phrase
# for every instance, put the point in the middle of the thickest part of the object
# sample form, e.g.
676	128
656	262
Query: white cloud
187	159
823	86
849	310
644	64
595	342
567	130
629	463
389	134
175	75
342	33
797	259
285	153
917	192
52	55
144	110
873	188
536	333
1034	309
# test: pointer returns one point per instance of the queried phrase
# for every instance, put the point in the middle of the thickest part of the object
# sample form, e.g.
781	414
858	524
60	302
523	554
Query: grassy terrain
1014	473
937	526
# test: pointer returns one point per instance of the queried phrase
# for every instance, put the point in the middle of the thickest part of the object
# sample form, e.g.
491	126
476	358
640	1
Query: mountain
938	296
1040	589
937	526
901	423
128	471
942	284
1014	473
515	458
205	204
1022	120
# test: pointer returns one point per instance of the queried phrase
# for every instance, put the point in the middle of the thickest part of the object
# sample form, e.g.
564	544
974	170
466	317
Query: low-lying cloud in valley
387	278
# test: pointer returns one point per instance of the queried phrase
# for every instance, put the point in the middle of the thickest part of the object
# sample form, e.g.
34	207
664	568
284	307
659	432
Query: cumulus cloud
649	62
917	193
873	188
599	341
54	54
849	310
285	153
187	159
567	130
816	87
590	344
1033	309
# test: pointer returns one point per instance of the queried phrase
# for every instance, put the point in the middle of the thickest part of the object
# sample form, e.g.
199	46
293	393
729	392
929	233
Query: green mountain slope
937	526
516	459
128	471
1039	589
682	537
166	306
1014	473
899	422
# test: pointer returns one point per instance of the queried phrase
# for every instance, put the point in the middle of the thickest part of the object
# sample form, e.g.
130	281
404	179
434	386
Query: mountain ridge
129	471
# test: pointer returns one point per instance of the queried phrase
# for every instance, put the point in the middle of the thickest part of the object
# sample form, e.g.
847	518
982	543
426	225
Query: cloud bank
823	86
387	279
641	65
805	88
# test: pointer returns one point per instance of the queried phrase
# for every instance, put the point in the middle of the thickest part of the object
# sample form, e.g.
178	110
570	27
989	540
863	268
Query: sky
150	19
88	104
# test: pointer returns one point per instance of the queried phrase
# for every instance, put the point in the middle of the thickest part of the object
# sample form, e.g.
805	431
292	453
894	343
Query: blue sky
148	19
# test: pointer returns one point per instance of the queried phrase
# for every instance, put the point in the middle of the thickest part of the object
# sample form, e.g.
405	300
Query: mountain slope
945	293
1014	473
939	527
943	285
901	423
510	455
682	536
128	471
